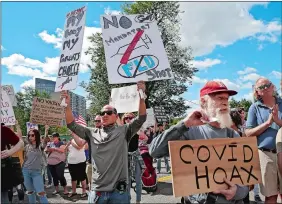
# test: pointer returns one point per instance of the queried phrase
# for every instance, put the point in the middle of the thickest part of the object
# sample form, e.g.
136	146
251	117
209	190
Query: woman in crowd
56	163
134	158
32	168
77	167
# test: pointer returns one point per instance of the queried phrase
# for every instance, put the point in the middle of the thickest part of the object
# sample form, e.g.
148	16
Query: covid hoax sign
199	166
7	112
134	49
46	112
71	50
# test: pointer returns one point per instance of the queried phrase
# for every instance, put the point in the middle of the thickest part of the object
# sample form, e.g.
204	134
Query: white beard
224	119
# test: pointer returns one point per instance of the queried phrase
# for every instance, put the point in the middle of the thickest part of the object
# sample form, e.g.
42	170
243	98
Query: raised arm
252	128
82	132
137	123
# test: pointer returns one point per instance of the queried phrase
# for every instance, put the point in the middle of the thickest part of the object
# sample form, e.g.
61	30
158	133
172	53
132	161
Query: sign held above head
71	51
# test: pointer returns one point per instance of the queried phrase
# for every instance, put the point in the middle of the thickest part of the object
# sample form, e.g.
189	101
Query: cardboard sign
134	49
30	126
160	114
199	166
46	112
71	50
11	93
125	99
7	112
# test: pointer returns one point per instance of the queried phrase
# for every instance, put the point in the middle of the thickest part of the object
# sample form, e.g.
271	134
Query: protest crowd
117	151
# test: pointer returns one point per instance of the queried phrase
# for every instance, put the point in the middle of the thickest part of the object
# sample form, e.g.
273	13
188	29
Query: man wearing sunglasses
109	151
263	122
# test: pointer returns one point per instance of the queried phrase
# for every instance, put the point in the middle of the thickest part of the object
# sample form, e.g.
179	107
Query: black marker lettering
251	158
180	153
203	147
233	159
237	175
202	176
219	182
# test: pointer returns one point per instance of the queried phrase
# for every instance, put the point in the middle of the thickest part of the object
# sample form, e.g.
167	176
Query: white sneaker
15	193
48	186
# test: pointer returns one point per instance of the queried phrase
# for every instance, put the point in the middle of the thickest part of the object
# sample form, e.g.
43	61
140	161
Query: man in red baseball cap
212	121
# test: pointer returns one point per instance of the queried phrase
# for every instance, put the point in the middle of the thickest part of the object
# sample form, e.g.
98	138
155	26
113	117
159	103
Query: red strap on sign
131	47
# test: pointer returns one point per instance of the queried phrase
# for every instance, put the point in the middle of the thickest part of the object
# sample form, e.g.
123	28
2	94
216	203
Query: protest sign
71	50
150	121
11	93
199	166
31	126
134	49
46	112
160	114
7	112
125	99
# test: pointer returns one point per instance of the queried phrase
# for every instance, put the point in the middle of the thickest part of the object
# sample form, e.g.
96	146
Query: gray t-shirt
159	145
109	151
33	157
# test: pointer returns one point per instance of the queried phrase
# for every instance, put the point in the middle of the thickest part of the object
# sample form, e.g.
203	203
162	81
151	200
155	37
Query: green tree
165	93
244	103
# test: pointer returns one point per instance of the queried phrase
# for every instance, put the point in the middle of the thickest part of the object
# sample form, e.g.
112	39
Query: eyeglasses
128	118
265	86
97	121
31	135
109	112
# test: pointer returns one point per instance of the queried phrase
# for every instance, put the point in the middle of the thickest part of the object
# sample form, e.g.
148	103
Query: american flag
79	119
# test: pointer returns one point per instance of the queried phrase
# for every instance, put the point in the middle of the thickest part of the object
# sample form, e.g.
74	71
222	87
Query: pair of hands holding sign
140	87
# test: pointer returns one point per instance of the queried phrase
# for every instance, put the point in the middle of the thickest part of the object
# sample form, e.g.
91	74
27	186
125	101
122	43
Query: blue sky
232	42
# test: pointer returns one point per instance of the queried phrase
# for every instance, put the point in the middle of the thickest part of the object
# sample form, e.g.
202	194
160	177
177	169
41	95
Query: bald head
108	115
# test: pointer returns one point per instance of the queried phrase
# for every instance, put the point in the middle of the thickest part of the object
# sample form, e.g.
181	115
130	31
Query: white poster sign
31	126
11	93
150	121
134	49
125	99
71	50
7	112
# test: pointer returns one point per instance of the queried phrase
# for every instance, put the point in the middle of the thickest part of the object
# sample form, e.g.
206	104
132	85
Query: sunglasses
128	118
263	87
109	112
31	135
97	121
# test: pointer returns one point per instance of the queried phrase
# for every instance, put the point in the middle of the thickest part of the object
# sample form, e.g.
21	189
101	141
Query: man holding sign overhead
109	149
212	121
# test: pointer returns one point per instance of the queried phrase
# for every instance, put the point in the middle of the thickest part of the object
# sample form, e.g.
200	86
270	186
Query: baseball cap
55	134
216	87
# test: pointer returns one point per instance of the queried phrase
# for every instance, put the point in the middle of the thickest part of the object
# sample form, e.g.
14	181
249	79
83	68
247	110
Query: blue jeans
159	162
109	198
4	198
138	174
33	182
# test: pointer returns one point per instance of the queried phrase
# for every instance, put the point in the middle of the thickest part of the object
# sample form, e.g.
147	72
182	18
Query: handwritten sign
46	112
7	112
125	99
134	49
11	93
160	114
30	126
150	121
71	50
199	166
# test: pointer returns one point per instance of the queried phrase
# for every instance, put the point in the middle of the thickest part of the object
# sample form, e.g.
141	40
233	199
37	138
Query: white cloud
194	105
205	63
276	74
260	47
109	11
247	70
20	60
250	77
198	80
55	39
246	86
208	25
2	48
229	84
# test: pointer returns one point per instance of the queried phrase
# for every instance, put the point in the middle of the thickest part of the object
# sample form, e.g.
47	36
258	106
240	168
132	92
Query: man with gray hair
212	121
